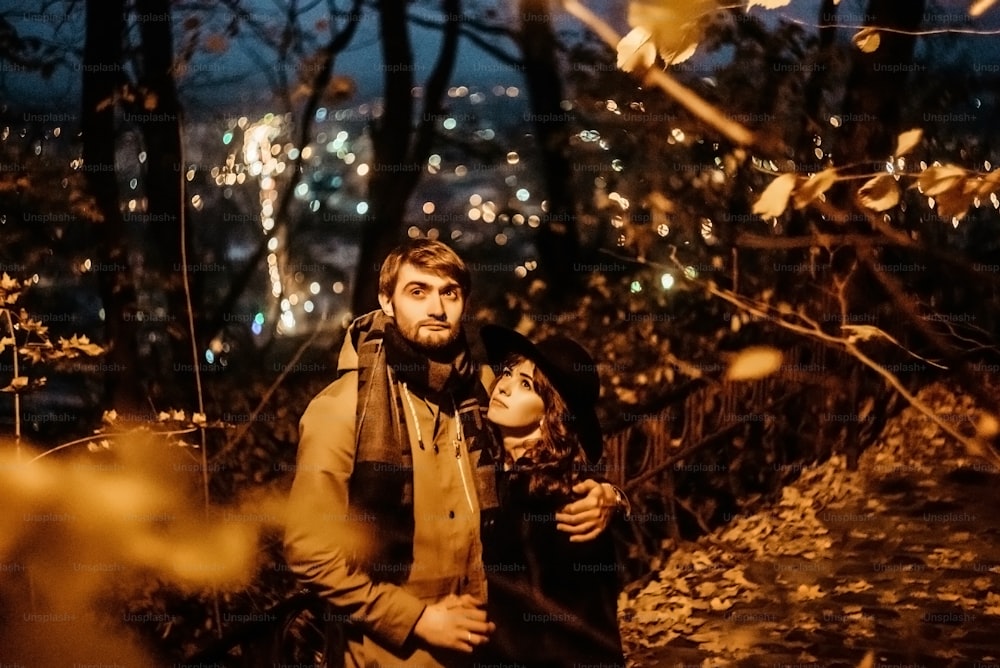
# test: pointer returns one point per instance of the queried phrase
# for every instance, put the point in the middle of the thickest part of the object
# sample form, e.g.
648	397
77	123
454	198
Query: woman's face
514	404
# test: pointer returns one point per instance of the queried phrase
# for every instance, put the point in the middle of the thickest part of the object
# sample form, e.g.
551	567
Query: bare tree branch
338	42
437	81
694	103
748	240
974	445
470	29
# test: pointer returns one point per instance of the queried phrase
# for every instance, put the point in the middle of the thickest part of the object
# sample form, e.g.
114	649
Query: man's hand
455	622
586	518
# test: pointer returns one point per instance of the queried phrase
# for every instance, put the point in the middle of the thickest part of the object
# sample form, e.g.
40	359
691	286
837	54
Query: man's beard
430	343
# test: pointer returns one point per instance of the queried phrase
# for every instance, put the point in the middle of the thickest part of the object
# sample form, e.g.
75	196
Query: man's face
427	307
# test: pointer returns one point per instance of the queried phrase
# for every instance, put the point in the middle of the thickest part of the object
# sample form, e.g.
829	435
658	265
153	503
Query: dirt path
901	557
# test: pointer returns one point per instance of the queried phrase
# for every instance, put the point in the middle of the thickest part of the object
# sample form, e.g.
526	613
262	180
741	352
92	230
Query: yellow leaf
735	575
768	4
868	661
674	57
706	589
988	184
675	26
817	184
730	642
938	178
806	593
953	204
880	193
987	426
854	587
979	7
80	344
17	383
753	363
774	199
867	39
8	283
719	604
907	141
636	50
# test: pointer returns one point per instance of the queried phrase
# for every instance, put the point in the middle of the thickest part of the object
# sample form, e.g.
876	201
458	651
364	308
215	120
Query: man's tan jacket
447	550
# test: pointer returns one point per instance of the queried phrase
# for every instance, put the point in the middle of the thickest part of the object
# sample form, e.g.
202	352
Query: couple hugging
443	511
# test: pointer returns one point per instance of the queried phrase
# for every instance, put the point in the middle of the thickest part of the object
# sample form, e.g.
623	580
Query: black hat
571	371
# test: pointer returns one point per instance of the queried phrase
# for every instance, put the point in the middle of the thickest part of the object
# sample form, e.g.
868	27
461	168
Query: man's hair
428	255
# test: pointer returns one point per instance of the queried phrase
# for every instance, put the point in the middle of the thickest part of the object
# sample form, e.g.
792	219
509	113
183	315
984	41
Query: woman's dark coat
554	602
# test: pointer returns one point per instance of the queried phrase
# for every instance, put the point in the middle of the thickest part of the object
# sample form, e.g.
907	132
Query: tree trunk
400	152
389	185
174	384
101	80
558	237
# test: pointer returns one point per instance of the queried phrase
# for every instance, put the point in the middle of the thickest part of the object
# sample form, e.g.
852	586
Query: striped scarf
381	486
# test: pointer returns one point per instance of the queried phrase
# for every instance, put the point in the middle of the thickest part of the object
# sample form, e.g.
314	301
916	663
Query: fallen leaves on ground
806	593
790	574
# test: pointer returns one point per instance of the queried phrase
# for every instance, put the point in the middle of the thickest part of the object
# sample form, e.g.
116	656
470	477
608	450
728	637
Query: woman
554	602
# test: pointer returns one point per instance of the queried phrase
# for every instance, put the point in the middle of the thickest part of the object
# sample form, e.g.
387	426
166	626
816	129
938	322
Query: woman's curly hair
551	467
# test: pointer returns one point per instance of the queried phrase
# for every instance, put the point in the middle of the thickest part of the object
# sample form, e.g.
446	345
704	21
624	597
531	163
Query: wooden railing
713	441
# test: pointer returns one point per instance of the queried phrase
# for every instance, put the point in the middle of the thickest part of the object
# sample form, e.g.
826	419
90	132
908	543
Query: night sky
237	78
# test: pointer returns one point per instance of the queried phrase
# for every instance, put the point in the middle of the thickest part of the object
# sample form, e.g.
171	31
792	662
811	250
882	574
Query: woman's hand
586	518
456	622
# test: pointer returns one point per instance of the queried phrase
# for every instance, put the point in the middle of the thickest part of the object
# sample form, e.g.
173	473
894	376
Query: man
395	476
